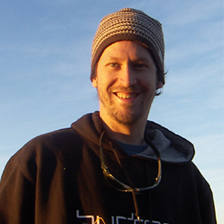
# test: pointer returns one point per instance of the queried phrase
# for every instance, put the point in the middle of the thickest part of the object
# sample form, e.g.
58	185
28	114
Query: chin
126	118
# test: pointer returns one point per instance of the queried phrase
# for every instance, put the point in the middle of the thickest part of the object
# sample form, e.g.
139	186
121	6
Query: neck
127	133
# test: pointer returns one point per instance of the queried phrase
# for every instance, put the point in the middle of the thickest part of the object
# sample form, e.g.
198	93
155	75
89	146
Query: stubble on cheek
124	114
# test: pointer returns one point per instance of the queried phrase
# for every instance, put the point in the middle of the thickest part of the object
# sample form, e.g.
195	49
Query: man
111	166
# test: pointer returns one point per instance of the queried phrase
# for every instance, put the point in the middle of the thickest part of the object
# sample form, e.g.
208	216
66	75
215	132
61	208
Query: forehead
123	49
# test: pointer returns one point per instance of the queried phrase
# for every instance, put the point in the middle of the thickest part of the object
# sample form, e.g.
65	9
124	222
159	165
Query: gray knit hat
129	24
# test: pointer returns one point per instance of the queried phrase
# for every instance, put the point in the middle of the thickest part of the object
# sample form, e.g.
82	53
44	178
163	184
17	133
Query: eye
114	65
140	65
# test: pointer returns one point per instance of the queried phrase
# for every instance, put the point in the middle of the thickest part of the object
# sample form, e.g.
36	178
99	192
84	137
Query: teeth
125	96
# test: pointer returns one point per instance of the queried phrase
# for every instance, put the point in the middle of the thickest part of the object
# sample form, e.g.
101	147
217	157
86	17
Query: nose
127	76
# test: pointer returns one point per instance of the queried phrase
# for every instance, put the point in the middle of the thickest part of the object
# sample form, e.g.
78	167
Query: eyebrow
114	58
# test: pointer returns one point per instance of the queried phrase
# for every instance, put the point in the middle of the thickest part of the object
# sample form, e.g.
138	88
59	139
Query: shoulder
45	152
193	175
199	178
50	143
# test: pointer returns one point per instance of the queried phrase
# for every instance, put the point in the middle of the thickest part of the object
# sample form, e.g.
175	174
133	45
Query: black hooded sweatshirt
57	178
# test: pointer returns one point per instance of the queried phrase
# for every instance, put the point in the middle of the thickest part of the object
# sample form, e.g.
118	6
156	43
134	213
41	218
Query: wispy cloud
210	145
189	12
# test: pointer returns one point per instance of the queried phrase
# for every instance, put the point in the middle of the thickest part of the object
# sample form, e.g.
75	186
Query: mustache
134	88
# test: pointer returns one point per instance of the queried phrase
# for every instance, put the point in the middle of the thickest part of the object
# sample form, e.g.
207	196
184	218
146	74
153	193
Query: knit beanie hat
129	24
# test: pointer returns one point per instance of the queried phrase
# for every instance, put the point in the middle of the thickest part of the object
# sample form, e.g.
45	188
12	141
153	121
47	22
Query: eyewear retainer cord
125	187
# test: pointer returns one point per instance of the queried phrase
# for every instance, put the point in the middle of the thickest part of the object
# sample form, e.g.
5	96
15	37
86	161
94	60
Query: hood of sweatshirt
172	147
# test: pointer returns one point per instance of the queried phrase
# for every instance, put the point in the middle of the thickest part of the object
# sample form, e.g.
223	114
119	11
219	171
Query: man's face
126	82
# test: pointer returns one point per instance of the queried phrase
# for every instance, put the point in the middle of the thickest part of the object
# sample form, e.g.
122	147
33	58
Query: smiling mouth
126	96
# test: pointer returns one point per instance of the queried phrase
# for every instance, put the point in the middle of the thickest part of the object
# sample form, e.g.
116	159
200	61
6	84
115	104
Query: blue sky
45	65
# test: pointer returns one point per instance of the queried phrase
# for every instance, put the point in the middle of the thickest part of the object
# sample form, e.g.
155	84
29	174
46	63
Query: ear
159	85
94	82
